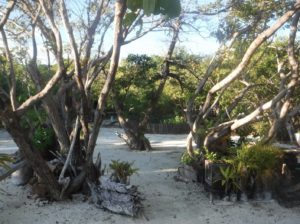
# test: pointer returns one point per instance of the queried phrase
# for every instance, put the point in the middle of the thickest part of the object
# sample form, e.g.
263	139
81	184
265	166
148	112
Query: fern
4	158
122	170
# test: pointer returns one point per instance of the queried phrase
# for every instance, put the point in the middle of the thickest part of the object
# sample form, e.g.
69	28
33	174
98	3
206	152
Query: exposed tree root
139	142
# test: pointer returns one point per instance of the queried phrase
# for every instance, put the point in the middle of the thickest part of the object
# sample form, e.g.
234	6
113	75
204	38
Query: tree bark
89	169
12	124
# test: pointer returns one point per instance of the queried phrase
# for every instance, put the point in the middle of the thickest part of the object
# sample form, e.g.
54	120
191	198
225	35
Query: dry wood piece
13	167
117	198
188	173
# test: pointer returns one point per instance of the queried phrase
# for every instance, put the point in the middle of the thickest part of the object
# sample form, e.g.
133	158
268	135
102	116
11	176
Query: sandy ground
170	201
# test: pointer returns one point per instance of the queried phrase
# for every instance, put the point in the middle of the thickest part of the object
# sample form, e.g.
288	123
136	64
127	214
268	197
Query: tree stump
118	198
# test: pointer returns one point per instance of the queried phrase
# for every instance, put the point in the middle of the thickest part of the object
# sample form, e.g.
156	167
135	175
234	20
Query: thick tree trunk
12	124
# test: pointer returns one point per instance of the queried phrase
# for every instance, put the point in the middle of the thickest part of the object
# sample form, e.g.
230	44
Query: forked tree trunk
135	136
135	140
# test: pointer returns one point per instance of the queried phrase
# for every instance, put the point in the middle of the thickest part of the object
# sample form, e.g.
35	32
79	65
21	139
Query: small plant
42	138
202	132
230	175
4	158
259	160
211	156
209	123
122	170
186	159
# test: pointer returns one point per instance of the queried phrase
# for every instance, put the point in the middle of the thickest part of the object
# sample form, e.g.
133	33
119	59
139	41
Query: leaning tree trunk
12	125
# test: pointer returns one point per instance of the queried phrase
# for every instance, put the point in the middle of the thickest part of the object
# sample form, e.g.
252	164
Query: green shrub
33	116
211	156
4	158
122	170
186	159
42	138
175	120
261	127
258	159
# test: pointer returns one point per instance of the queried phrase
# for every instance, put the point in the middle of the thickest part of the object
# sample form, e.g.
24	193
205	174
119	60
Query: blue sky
157	43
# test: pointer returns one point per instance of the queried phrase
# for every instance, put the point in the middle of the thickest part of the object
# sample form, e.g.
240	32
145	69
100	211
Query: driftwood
13	167
291	189
188	173
118	198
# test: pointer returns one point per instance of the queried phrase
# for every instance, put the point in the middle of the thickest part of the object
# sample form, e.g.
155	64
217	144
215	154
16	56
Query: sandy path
172	202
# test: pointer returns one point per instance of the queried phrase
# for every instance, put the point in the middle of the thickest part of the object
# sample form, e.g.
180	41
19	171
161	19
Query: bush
175	120
122	170
42	138
259	159
186	159
3	159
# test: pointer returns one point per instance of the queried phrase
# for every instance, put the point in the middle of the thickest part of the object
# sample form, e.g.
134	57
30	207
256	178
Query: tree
75	77
135	138
261	33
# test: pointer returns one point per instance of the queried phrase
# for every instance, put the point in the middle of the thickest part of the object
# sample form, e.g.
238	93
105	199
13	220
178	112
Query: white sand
171	202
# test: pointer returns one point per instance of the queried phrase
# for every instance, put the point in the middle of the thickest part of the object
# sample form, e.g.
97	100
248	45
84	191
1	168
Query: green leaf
223	182
223	172
170	8
237	185
152	6
134	5
146	7
129	19
140	22
175	9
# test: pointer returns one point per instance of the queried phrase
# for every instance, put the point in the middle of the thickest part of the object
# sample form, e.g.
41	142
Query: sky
157	43
153	43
